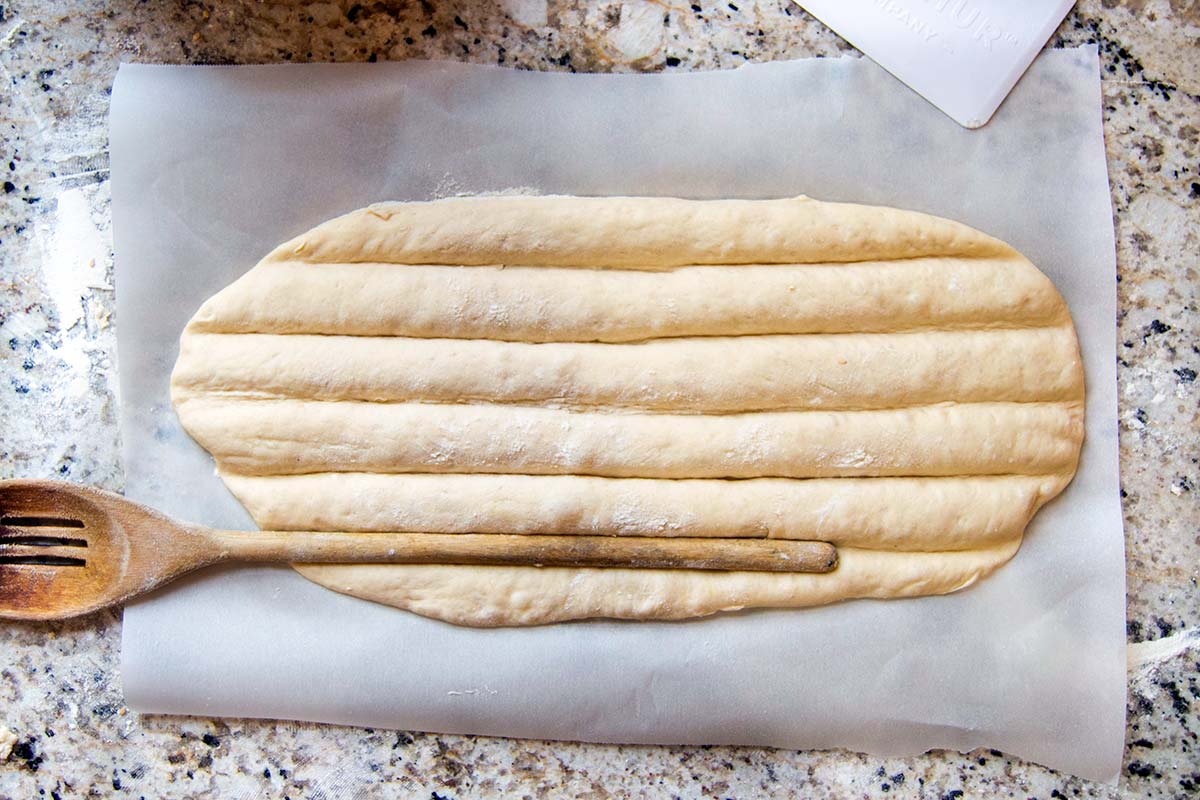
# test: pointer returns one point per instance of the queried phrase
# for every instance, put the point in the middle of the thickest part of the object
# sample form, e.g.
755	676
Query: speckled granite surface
63	729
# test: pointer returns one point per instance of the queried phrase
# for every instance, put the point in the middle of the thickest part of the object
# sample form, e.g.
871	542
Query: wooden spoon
67	550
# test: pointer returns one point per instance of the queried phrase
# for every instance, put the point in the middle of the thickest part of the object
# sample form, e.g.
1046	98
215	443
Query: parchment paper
213	166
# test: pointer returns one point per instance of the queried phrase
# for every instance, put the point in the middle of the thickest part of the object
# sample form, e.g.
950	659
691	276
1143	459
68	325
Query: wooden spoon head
63	552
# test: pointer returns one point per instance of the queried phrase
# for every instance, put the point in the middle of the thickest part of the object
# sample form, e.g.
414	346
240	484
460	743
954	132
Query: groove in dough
900	385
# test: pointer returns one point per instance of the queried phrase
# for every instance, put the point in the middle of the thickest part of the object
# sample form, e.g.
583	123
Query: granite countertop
63	729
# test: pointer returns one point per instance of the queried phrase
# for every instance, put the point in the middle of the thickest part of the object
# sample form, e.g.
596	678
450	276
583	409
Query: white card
964	56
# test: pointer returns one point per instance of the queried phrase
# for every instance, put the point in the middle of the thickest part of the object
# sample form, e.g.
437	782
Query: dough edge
478	596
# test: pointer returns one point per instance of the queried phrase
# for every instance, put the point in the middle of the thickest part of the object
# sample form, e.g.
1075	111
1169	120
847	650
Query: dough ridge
547	304
491	596
266	436
918	514
846	371
631	232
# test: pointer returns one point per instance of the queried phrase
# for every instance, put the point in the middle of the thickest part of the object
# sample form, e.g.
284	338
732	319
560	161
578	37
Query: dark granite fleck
26	751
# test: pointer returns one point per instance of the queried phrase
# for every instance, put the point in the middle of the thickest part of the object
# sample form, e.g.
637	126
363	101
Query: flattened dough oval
901	385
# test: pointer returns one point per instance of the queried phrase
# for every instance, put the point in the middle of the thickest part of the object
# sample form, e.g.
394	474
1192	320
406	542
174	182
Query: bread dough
900	385
269	436
533	596
884	513
757	373
650	233
529	304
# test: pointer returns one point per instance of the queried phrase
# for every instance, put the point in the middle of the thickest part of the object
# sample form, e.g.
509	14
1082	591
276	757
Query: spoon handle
762	555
